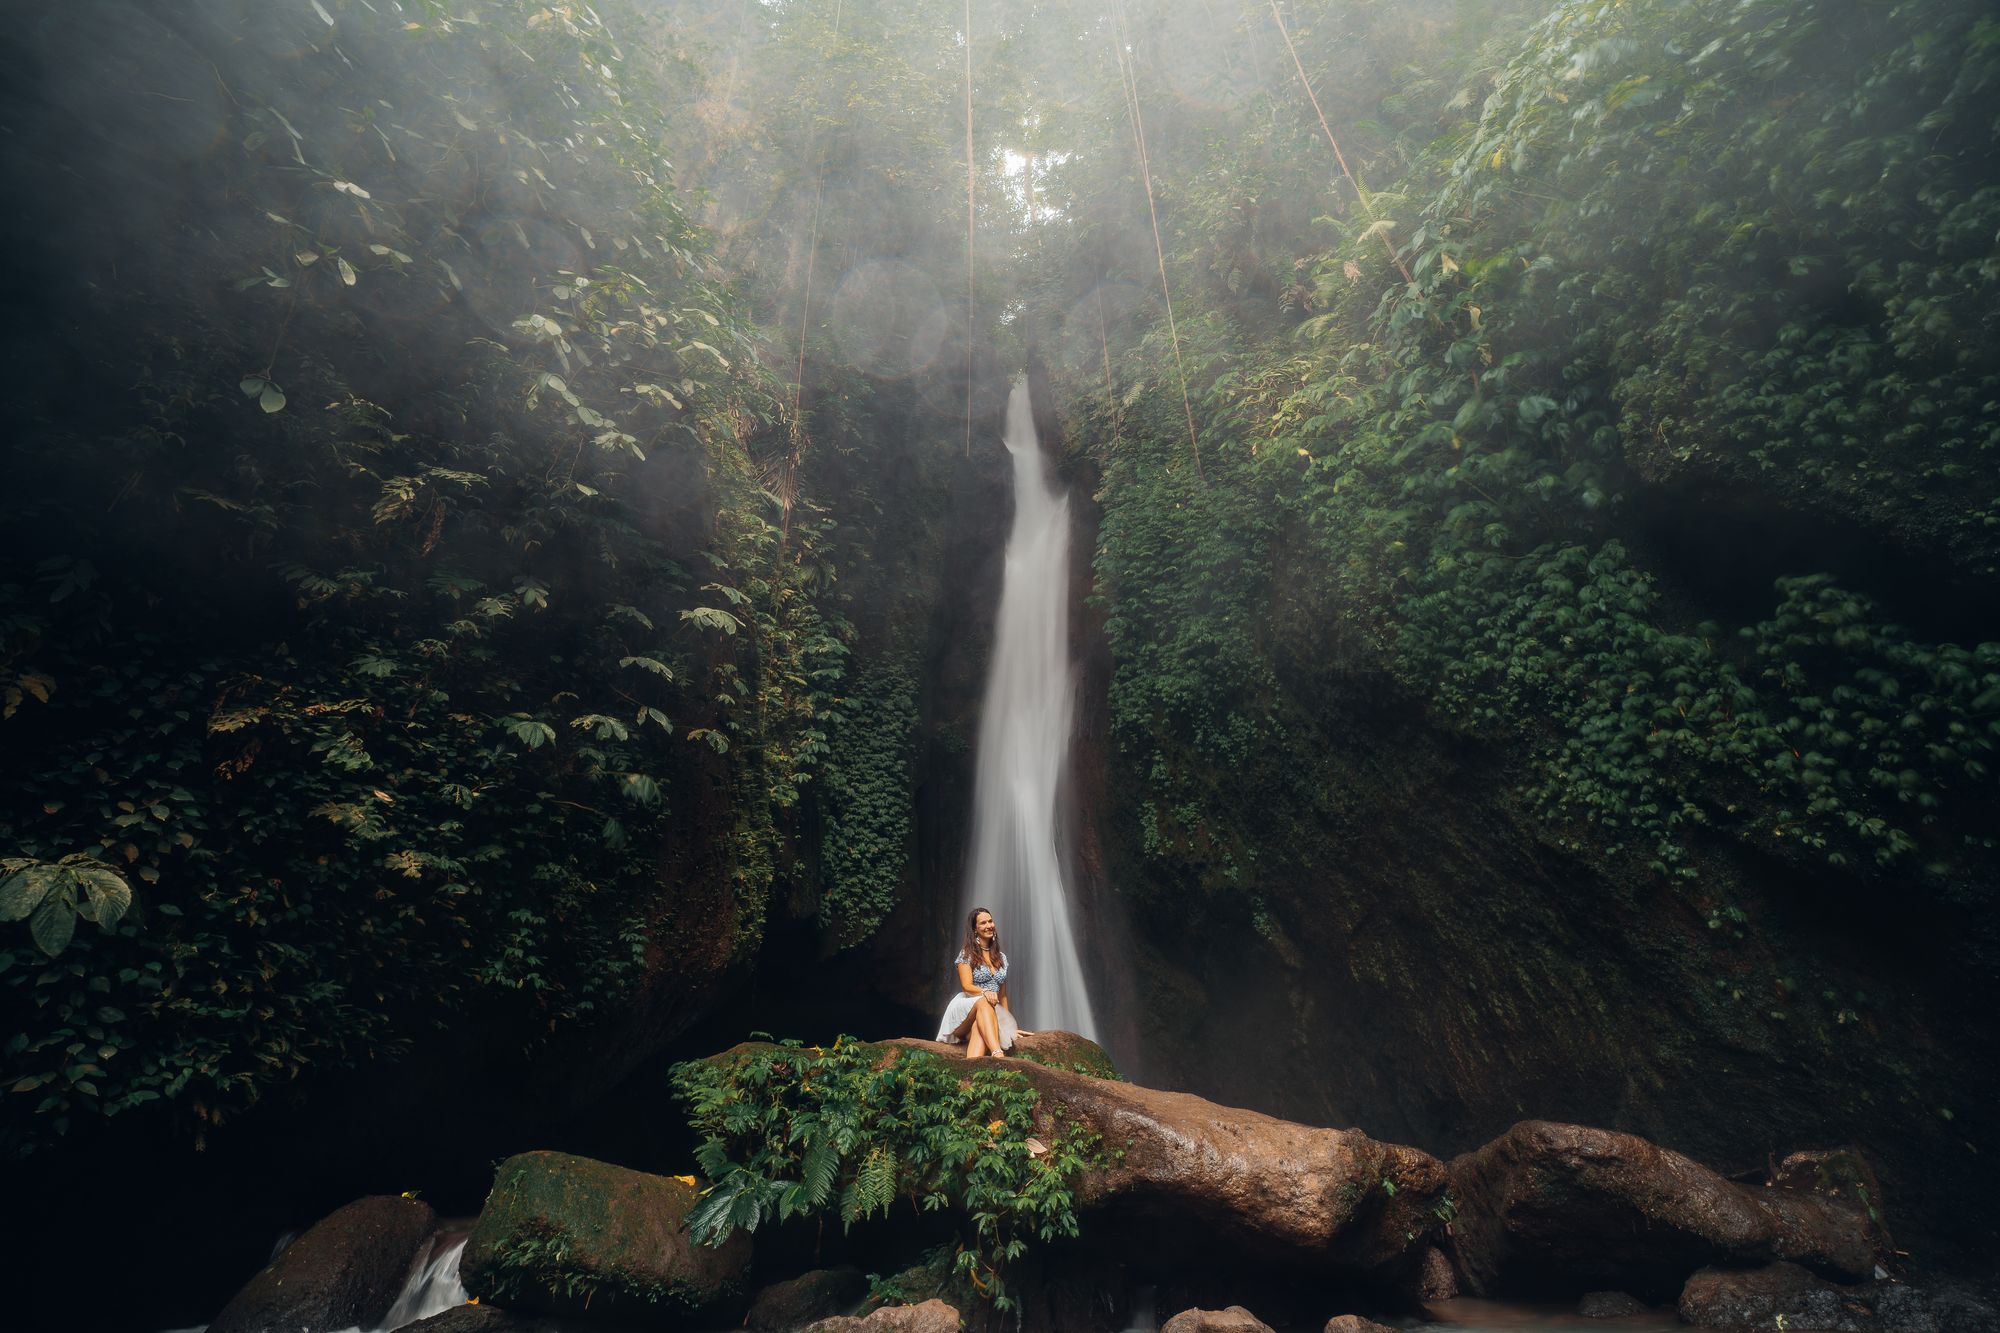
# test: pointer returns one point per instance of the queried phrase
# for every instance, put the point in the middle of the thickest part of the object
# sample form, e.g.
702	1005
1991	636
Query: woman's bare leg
989	1024
975	1044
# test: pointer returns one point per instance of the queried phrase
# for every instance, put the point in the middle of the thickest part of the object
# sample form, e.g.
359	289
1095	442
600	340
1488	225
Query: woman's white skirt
960	1009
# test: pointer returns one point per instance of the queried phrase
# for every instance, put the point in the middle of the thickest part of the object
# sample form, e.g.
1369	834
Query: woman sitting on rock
978	1014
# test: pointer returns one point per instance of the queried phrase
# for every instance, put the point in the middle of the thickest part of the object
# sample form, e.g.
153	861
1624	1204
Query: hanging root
1128	80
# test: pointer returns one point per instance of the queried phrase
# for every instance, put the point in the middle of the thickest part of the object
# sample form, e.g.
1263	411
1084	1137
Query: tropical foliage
793	1131
1635	287
482	487
399	619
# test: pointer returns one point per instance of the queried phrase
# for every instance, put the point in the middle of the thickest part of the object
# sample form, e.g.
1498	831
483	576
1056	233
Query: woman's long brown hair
975	949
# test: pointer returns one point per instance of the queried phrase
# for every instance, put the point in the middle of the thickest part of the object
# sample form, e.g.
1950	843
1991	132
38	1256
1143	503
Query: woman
978	1014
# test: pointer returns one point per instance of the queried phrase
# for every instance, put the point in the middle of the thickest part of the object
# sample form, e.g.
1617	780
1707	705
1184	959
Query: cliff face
1415	955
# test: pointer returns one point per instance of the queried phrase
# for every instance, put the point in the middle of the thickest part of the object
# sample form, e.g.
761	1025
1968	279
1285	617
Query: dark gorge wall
1414	955
1553	673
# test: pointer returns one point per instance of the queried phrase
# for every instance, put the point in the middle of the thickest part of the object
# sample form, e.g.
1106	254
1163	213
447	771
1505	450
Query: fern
822	1166
786	1126
873	1188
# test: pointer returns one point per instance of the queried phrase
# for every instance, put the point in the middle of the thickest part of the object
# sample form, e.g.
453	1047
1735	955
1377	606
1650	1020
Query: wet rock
1609	1305
1725	1298
1437	1280
1066	1050
1784	1295
1550	1205
1839	1173
933	1316
1235	1319
784	1306
1188	1171
1954	1308
1354	1323
562	1234
346	1270
493	1319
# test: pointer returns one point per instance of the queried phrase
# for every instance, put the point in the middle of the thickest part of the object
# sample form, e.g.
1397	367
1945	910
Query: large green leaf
109	895
22	891
53	923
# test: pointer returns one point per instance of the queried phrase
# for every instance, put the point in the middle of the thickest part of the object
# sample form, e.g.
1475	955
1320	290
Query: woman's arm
1003	997
965	980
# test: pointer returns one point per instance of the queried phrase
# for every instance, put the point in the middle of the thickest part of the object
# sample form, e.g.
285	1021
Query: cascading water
1023	738
431	1288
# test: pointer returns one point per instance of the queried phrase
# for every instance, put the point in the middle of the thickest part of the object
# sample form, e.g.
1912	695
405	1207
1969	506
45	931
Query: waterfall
432	1287
1024	732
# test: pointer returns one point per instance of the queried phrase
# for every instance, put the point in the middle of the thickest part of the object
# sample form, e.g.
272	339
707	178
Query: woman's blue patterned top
985	977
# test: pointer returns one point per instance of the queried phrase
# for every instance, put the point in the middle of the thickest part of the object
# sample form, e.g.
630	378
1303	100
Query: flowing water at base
1466	1315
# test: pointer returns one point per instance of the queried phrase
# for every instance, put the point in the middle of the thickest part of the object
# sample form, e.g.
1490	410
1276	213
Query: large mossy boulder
1065	1050
561	1234
346	1271
1551	1206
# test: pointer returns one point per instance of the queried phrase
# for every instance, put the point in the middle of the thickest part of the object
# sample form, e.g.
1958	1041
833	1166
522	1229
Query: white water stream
1024	731
432	1287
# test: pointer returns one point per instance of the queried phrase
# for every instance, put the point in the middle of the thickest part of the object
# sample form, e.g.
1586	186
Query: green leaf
712	617
528	731
52	924
110	896
272	399
652	664
23	891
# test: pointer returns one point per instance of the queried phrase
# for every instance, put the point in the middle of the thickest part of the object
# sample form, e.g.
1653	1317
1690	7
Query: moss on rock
562	1234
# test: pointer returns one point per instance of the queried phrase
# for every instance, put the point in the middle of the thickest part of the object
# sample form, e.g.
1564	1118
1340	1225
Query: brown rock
1725	1298
562	1234
1235	1319
1437	1280
1188	1169
933	1316
1354	1323
1562	1205
1609	1305
784	1306
1065	1050
1839	1173
346	1270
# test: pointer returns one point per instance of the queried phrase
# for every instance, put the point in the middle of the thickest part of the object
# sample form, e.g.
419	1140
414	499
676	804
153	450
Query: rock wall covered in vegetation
1560	680
504	525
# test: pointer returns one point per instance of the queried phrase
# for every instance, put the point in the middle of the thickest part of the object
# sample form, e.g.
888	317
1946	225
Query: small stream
431	1288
